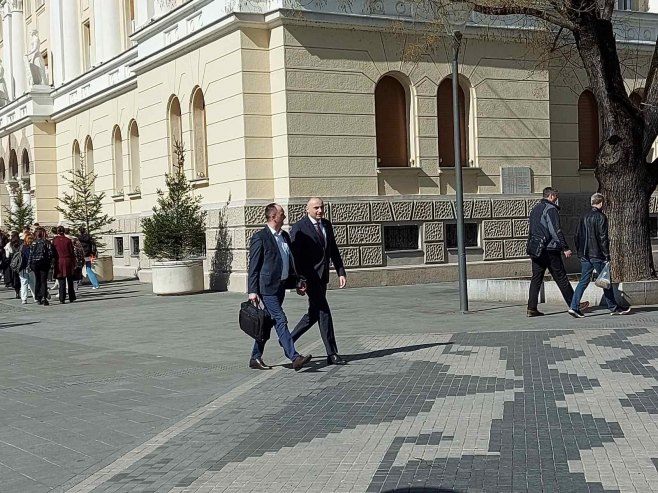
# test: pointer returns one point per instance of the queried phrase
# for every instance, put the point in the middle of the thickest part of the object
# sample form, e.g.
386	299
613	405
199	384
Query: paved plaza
124	391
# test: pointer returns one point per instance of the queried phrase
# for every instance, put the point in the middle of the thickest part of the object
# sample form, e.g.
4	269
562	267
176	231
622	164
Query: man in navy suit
271	270
314	246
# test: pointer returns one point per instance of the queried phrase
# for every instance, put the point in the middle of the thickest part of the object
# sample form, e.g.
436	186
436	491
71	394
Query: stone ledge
407	274
626	293
639	292
516	290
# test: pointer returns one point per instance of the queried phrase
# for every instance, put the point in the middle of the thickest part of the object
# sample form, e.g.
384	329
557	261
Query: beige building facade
279	104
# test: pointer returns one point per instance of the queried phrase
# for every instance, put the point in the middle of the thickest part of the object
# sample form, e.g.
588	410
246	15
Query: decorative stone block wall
433	232
435	253
364	234
359	228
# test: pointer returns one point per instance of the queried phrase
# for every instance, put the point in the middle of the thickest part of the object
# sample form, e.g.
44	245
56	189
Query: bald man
314	246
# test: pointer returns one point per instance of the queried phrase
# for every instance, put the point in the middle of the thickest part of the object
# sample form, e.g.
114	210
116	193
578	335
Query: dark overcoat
65	263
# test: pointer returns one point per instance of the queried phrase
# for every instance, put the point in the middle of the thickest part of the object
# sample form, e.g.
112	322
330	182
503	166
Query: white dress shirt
322	228
285	252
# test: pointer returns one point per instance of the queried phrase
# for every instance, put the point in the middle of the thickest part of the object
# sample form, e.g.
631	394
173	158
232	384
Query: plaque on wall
516	180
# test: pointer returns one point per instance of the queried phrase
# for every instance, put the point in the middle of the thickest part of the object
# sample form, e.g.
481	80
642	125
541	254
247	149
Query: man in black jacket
593	249
271	270
544	222
314	246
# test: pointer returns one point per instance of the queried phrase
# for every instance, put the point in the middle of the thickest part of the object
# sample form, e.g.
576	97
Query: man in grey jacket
544	222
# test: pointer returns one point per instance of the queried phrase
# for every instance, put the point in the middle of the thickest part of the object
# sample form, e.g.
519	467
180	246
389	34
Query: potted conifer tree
83	207
175	235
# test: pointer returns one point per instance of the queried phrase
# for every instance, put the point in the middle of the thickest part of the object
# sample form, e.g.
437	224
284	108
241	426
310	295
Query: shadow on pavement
103	298
643	309
423	489
498	307
318	365
9	326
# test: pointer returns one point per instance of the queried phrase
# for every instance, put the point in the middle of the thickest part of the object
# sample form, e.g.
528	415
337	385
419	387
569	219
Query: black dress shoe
533	312
300	361
258	364
334	359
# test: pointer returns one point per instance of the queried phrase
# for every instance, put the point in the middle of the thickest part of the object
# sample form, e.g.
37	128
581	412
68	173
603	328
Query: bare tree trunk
624	177
627	208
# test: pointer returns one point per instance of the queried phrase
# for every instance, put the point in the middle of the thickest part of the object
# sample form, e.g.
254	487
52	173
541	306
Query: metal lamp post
456	15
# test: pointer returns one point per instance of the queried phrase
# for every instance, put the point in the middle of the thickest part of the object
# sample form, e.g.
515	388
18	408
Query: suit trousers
66	284
551	260
273	306
318	311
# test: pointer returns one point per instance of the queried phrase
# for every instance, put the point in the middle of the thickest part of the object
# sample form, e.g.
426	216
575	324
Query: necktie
318	230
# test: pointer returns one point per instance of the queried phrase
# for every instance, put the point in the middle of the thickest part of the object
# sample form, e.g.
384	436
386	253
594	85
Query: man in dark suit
314	246
271	270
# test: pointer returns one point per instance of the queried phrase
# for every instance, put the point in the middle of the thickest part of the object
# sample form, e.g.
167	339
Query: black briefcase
255	321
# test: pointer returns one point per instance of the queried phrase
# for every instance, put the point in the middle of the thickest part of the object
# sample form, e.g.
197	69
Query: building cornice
104	82
33	107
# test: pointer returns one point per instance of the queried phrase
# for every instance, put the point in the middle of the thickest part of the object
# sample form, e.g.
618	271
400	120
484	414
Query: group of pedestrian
547	244
299	260
30	258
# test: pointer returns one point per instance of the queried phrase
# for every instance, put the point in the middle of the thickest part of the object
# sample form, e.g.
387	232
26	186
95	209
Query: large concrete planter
177	277
104	268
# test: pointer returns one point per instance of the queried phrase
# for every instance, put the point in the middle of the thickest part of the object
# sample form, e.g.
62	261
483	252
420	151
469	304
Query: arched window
133	143
175	130
199	136
391	123
445	124
588	130
89	156
76	156
117	160
25	163
3	171
13	164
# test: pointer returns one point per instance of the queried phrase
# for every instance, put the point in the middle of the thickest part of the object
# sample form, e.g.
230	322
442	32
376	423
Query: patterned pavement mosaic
564	410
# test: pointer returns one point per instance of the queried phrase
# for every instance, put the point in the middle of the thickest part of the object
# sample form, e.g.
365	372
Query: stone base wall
359	225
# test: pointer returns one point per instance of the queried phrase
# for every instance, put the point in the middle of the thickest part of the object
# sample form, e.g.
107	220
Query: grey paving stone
129	392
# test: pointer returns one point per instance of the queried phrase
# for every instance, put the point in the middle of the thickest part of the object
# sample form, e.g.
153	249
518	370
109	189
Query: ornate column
99	22
18	47
107	36
24	187
8	39
71	55
144	12
56	41
12	191
112	40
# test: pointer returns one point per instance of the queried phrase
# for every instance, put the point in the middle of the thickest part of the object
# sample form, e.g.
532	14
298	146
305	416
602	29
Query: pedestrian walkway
124	391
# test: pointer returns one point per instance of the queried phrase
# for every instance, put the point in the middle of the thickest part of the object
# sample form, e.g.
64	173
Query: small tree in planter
175	234
83	207
21	216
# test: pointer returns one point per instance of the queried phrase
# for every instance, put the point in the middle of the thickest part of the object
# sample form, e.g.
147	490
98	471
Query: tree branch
608	9
546	15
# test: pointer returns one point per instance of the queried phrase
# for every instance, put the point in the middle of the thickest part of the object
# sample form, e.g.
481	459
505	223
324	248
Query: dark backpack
16	263
41	255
